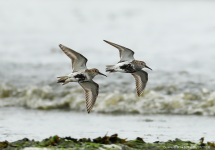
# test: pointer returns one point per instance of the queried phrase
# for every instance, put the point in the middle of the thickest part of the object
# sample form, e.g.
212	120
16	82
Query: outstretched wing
78	60
91	92
141	78
125	53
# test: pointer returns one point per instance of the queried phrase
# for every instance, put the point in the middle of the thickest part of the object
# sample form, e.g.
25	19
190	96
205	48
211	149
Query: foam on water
151	102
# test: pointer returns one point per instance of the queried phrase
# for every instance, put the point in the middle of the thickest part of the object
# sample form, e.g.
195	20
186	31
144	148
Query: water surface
174	38
18	123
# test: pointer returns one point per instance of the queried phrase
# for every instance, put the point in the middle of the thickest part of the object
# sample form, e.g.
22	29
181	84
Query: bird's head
95	72
143	65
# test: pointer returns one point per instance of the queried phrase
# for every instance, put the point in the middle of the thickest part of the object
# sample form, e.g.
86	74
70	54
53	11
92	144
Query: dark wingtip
60	45
106	41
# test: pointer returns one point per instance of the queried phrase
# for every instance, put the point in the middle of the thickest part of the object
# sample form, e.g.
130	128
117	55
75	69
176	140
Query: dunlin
82	75
128	64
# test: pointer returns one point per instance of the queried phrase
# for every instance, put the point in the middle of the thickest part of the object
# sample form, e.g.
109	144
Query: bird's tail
109	68
63	80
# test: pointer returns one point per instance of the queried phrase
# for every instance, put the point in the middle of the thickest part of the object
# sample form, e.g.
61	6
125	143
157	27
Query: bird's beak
148	67
102	74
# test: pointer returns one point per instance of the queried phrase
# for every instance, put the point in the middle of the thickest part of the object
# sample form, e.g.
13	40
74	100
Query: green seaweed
105	142
4	144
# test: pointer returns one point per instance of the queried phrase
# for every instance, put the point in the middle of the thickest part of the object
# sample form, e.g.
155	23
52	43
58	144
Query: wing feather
125	53
78	60
141	78
91	93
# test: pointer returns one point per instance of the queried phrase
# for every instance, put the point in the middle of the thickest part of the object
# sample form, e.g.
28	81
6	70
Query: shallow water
18	123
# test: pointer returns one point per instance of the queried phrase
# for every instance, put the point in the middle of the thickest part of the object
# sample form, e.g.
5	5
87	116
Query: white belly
72	76
117	66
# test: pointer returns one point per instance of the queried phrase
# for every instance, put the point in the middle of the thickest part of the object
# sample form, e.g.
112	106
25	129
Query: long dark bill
102	74
148	67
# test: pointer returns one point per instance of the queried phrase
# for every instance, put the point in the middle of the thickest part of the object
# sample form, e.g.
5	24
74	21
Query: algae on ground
103	143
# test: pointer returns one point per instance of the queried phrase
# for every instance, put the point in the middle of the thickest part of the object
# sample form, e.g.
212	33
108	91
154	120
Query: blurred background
175	38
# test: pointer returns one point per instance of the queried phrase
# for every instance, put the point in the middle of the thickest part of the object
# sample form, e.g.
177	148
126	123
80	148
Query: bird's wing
125	53
78	60
141	78
91	92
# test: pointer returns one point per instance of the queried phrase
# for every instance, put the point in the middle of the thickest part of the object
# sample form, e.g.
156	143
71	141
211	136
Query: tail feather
62	79
109	68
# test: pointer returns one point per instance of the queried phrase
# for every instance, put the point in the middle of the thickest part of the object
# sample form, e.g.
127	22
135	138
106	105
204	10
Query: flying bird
128	64
82	75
